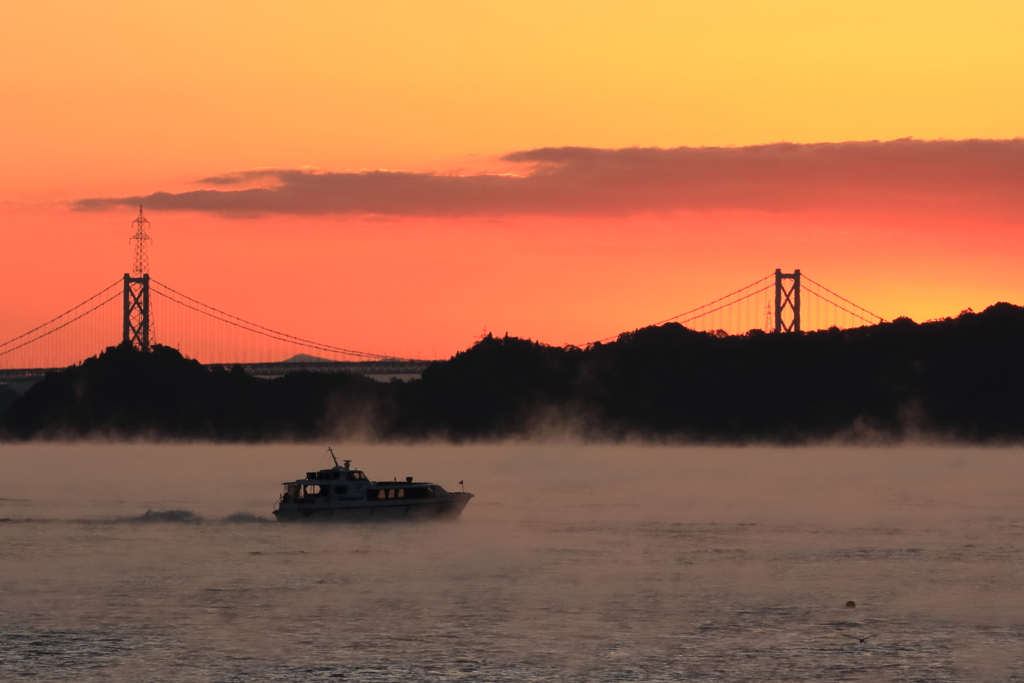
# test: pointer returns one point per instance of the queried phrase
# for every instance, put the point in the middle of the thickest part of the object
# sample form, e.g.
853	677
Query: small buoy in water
851	603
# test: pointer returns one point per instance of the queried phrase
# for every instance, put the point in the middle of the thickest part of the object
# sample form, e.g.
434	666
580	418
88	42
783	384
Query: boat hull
439	508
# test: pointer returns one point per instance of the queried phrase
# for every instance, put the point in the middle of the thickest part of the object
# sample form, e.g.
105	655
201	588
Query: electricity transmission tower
136	290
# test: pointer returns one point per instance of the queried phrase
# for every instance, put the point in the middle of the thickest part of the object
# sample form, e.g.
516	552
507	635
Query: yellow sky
114	95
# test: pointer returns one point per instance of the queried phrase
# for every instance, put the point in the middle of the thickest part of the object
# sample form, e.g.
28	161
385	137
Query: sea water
149	562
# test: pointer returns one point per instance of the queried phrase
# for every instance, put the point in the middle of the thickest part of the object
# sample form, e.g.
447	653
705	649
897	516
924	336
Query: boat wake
246	518
165	516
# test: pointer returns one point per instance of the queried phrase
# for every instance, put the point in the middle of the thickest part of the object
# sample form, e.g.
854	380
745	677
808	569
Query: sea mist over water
140	562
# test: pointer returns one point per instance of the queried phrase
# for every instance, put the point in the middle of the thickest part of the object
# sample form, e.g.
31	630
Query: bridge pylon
136	311
136	291
787	299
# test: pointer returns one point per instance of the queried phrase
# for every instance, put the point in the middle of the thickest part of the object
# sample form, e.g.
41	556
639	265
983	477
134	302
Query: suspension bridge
139	310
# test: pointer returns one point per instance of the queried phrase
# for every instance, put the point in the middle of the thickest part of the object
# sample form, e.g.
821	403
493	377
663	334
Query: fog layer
571	563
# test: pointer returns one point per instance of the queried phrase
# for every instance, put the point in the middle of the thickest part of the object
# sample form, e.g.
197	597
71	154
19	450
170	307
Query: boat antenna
331	451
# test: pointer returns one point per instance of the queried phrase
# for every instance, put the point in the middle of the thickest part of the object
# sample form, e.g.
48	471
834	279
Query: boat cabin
341	484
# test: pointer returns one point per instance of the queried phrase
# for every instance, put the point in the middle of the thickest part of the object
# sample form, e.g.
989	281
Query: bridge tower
787	299
136	290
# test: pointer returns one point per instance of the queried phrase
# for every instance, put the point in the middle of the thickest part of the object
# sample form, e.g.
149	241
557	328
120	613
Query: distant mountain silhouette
959	378
305	358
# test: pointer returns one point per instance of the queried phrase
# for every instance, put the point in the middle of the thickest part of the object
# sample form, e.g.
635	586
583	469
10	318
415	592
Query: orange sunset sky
396	177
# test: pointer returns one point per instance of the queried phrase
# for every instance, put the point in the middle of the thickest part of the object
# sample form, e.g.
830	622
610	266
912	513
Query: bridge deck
396	367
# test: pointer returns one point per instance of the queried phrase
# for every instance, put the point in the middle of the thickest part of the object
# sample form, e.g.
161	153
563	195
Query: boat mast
331	451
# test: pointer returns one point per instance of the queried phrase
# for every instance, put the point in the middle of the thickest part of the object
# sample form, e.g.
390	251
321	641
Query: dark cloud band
912	175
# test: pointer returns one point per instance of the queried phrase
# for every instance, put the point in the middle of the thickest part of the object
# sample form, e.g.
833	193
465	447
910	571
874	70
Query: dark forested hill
961	378
161	394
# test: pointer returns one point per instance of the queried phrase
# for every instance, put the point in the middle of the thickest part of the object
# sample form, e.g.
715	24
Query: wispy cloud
899	175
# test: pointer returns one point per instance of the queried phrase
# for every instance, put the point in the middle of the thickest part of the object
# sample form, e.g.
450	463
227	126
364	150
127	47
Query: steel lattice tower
787	299
136	290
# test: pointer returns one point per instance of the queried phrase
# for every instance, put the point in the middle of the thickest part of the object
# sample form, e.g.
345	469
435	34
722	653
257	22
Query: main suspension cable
700	308
265	331
742	298
70	310
49	332
841	308
818	284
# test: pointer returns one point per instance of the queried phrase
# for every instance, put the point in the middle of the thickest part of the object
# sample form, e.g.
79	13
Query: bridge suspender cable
743	294
88	306
701	310
275	336
65	324
223	316
846	310
877	318
60	327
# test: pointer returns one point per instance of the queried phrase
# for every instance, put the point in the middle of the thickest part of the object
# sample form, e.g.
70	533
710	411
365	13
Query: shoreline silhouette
957	378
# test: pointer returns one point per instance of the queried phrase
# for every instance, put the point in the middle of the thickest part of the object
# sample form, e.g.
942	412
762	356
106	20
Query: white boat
342	493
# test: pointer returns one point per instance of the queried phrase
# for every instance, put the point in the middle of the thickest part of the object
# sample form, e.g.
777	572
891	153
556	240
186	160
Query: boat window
356	476
291	493
401	493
